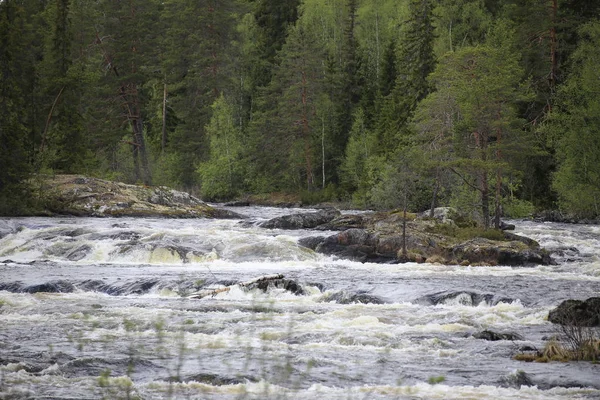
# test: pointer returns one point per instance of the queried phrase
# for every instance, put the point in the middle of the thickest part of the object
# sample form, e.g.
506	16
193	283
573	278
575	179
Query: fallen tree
213	292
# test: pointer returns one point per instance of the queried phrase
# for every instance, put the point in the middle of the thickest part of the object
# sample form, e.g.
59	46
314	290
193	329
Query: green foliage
433	380
517	208
223	174
318	93
574	128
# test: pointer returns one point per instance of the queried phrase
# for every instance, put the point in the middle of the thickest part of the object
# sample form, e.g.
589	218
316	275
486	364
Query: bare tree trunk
306	134
436	188
404	251
498	211
45	133
164	120
553	47
481	139
130	95
323	150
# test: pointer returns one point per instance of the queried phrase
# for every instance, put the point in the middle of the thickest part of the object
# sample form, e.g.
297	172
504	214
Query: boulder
491	252
577	312
343	222
494	336
301	220
84	196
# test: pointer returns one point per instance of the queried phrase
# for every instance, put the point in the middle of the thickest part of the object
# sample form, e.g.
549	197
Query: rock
490	252
494	336
516	380
461	297
85	196
378	238
311	242
344	222
301	221
51	287
353	244
442	214
506	227
350	298
577	312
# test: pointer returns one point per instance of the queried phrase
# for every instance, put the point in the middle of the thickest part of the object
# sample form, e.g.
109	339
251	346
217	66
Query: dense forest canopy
488	106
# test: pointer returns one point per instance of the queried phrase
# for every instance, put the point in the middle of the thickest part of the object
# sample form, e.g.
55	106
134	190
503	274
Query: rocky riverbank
85	196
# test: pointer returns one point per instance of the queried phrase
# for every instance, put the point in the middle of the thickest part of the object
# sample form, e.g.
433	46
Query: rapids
97	308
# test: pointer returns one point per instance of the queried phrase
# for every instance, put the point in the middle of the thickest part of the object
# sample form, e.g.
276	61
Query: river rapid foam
98	308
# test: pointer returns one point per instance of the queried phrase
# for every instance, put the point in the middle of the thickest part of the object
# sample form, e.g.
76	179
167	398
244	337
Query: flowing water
97	308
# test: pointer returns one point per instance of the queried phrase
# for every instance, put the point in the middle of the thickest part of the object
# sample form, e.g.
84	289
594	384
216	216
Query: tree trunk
481	139
164	120
498	210
404	251
436	188
553	47
205	293
306	134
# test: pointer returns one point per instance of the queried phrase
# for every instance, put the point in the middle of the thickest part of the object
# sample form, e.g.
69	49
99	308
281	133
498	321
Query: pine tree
14	166
483	86
574	128
415	62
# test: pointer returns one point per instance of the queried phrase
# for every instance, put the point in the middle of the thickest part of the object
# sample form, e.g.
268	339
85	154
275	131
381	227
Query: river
97	308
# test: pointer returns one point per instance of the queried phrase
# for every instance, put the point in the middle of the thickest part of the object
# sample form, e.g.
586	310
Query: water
97	308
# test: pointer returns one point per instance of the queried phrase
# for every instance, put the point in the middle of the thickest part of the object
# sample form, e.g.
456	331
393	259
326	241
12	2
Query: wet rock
494	336
506	226
78	253
214	379
13	287
353	244
344	297
485	251
311	242
301	221
286	284
461	297
577	312
59	286
516	380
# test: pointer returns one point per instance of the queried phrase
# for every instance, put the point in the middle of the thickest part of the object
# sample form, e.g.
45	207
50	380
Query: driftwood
213	292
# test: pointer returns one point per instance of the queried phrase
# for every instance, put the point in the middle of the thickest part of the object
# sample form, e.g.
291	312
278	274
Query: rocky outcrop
378	237
301	220
485	251
84	196
577	312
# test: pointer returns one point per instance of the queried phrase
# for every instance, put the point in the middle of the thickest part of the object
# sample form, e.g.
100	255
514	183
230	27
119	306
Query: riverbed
97	308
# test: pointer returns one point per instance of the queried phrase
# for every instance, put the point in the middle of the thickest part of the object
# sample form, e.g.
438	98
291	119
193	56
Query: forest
489	106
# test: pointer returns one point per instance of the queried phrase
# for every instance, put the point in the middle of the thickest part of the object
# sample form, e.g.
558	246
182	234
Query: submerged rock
461	297
516	380
577	312
344	297
84	196
51	287
494	336
302	220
